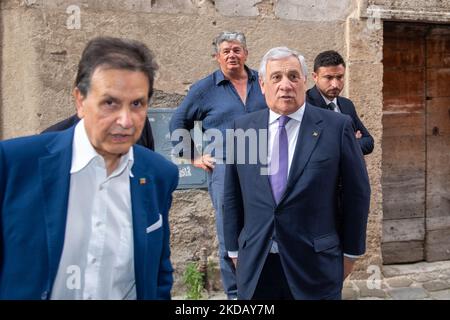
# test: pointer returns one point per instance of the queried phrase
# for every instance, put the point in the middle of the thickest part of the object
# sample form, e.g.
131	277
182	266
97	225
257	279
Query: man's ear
79	102
315	77
216	56
261	84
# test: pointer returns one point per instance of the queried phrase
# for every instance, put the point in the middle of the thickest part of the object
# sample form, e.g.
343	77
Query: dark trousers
272	283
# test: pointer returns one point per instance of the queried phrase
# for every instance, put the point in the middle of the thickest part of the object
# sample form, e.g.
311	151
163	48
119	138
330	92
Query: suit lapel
308	136
54	171
342	106
143	196
317	97
262	123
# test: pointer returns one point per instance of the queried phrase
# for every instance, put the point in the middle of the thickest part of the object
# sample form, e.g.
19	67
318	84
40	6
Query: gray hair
229	36
279	53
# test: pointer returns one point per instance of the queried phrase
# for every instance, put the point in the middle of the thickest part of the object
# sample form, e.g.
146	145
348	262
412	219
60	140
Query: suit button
44	295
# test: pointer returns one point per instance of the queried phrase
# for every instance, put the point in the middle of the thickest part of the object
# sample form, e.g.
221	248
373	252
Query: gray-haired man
285	226
217	100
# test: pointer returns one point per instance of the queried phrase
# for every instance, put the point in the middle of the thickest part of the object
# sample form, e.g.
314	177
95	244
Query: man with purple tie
281	223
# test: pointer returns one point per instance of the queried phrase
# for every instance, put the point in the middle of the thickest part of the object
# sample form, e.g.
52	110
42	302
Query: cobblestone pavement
418	281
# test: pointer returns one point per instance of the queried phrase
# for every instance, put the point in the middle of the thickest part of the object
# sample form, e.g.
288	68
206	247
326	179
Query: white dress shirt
97	261
336	109
292	130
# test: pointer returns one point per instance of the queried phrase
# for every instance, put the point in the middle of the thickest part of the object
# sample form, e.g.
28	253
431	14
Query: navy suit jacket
34	191
310	235
347	107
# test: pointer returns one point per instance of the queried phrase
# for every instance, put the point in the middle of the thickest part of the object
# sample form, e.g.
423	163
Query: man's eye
136	104
109	103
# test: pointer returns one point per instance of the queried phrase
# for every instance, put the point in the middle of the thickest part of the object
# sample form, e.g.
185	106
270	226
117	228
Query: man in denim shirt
216	101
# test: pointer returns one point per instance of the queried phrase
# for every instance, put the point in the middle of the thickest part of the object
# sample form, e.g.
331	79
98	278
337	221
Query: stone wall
41	42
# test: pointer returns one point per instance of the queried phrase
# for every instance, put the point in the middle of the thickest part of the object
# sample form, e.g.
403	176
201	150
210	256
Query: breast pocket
155	225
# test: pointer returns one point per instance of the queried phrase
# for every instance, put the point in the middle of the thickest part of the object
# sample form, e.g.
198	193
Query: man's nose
285	84
334	83
124	119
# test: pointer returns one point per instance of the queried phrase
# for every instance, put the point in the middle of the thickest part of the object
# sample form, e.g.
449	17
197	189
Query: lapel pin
142	181
315	134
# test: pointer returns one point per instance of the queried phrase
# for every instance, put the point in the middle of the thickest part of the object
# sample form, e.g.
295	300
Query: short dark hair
115	53
327	59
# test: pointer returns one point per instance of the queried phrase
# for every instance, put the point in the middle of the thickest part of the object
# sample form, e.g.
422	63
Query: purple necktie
279	160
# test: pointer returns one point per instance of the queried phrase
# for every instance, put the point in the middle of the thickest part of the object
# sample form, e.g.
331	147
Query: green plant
194	281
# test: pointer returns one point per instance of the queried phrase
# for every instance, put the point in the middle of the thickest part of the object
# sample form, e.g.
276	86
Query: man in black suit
328	76
145	140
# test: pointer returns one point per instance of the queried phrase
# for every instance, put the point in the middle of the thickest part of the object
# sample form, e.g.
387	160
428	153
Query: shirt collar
297	115
220	77
83	152
329	101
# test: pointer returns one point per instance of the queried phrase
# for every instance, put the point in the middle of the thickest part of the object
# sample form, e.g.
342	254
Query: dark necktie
331	106
279	160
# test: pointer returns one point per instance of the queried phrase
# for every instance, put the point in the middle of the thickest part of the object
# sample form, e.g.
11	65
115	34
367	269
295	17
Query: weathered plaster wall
40	51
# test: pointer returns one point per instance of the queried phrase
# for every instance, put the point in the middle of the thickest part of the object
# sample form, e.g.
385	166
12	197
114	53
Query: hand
348	266
205	162
358	134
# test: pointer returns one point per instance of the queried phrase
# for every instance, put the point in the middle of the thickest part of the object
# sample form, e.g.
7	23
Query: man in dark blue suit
280	212
328	76
84	211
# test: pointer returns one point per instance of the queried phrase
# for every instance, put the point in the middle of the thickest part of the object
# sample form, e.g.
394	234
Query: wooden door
403	144
437	244
416	143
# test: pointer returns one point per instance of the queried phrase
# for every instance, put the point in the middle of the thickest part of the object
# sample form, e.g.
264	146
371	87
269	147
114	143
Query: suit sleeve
146	139
2	193
150	139
63	125
366	141
233	211
165	275
355	193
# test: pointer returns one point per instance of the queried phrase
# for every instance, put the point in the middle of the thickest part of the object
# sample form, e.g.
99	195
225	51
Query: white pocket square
156	225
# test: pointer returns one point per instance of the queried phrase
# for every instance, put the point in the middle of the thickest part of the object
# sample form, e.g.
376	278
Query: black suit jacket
347	107
146	139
